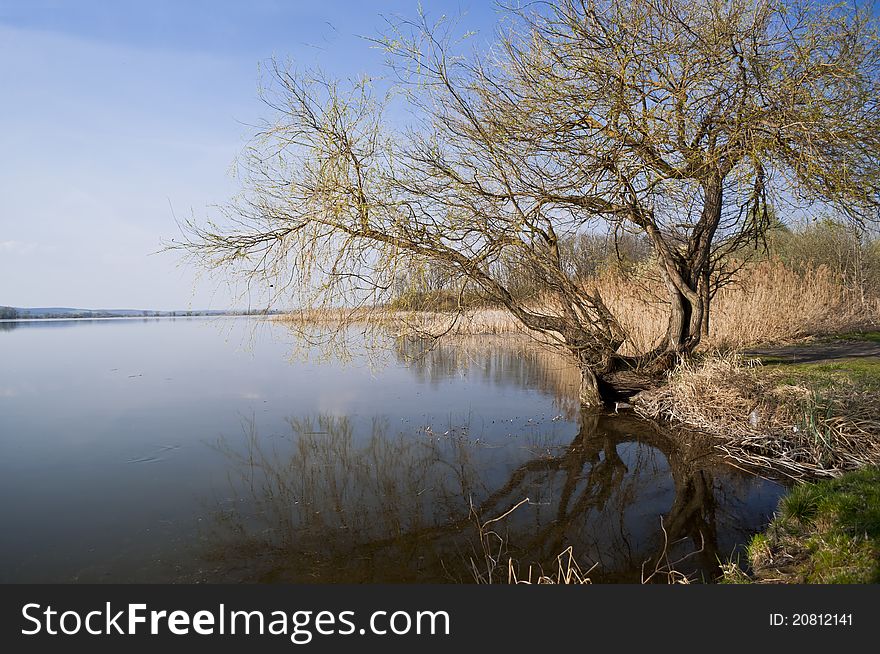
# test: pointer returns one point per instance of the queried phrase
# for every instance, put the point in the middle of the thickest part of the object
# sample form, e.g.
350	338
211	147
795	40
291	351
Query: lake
227	450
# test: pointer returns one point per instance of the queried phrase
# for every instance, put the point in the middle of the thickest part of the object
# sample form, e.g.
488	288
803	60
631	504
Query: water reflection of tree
501	362
335	500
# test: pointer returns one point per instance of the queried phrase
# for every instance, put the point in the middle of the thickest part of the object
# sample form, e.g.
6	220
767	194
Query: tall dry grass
770	302
774	303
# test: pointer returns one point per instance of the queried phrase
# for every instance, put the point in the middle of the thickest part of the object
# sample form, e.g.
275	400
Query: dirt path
820	352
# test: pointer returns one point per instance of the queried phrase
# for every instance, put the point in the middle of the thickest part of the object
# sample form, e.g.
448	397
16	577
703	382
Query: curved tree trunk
687	317
706	294
680	312
687	275
589	394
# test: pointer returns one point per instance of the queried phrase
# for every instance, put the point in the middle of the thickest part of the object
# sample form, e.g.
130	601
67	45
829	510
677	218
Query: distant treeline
13	313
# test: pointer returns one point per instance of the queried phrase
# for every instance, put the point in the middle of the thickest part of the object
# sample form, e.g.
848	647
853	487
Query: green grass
874	337
802	504
856	371
826	533
862	374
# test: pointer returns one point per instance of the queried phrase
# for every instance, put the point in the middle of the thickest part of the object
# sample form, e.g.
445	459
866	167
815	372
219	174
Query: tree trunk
677	332
706	294
687	275
589	394
687	322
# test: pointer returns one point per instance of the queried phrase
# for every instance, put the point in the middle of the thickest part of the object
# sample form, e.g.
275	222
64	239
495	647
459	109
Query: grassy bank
802	420
827	533
845	375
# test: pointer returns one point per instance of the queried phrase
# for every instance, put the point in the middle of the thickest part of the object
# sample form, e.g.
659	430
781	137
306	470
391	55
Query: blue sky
117	116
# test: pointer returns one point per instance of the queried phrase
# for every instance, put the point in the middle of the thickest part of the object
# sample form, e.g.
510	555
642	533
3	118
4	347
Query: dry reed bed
759	421
770	303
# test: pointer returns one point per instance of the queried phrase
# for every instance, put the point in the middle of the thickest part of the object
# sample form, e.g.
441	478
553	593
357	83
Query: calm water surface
200	450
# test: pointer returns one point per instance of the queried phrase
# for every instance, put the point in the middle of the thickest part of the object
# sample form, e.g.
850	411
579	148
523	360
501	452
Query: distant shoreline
89	318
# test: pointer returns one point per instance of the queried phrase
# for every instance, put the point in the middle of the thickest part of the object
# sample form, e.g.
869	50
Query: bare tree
687	120
681	121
